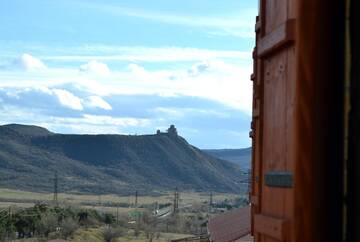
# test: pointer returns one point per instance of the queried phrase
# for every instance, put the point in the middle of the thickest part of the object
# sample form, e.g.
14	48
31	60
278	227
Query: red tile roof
247	238
230	226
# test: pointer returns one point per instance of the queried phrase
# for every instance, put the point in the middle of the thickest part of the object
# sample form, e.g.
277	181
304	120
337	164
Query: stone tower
172	130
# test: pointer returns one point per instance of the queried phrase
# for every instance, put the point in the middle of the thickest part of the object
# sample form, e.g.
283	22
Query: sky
129	67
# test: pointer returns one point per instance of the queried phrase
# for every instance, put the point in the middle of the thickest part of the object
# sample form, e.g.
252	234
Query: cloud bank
209	97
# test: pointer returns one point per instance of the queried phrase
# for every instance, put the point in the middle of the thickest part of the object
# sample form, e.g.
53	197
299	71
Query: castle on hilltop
170	131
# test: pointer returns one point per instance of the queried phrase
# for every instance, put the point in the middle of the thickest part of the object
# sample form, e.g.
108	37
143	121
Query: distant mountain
242	157
30	155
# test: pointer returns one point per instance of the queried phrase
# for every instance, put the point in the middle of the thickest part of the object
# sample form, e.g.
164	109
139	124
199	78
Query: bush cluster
43	220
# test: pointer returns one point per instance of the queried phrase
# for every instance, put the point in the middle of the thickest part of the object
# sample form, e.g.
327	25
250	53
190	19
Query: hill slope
242	157
30	155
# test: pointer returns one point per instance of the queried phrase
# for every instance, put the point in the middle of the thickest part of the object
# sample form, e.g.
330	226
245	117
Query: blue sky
129	67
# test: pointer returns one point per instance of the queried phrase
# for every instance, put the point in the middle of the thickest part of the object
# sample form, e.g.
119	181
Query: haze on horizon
80	66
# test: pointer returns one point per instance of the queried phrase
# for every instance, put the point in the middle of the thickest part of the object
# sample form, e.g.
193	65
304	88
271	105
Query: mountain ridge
30	155
241	156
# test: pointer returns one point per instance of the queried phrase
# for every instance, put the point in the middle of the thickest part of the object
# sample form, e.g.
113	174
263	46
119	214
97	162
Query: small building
231	226
172	130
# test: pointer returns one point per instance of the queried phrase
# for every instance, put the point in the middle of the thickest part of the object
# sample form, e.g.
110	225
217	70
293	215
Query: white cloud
148	54
101	121
28	62
68	99
173	112
13	94
94	67
124	122
225	80
213	79
137	70
86	124
182	112
43	89
16	93
98	102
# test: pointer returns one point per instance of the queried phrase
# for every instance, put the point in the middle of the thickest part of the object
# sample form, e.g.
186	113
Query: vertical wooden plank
276	14
274	129
290	136
291	9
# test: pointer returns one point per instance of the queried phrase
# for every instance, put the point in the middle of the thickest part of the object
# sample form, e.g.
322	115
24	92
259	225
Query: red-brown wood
297	93
279	37
271	227
272	116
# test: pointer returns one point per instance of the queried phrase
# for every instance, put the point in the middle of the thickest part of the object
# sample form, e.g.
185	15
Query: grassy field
191	213
186	197
105	203
94	235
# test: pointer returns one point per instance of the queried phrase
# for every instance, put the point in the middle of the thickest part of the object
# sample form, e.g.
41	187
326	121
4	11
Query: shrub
109	218
110	234
68	226
48	223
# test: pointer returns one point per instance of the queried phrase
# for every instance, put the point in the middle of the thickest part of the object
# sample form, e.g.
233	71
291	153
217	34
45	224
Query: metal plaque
279	179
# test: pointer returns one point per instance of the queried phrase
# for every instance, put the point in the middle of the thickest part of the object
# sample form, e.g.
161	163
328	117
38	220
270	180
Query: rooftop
230	226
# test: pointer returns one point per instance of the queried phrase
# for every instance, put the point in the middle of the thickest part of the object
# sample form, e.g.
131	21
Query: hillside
30	155
242	157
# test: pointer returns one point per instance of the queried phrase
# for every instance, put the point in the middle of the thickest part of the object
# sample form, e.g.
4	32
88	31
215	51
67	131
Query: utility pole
56	188
176	200
136	199
210	201
117	214
137	215
174	208
10	214
156	207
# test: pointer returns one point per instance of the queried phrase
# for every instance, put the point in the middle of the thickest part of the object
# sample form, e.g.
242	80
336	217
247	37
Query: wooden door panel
274	112
297	135
273	105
